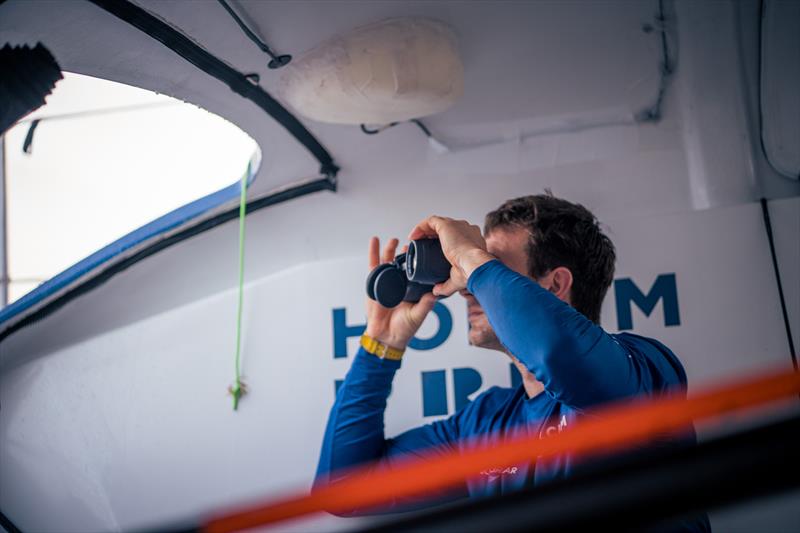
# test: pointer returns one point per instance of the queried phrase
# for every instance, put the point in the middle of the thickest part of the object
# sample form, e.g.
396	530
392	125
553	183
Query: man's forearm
354	434
574	358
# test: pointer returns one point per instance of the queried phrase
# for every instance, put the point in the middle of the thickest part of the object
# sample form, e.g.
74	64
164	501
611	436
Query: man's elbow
346	514
323	483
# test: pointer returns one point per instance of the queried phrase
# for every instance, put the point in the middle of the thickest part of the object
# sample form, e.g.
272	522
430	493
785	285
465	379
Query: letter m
664	288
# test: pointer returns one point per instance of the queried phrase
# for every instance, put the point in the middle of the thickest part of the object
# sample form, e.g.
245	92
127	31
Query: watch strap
379	349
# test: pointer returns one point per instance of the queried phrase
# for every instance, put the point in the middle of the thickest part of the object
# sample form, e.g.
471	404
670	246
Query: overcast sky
92	179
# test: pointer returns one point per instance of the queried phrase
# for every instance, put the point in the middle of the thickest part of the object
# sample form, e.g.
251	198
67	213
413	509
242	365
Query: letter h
342	332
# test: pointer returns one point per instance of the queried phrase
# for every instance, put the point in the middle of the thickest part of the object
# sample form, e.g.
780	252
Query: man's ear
559	282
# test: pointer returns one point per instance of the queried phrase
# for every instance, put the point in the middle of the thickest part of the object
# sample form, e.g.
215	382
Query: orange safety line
609	428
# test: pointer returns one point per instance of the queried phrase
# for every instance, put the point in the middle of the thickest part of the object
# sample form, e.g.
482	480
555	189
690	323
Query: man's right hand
462	245
397	326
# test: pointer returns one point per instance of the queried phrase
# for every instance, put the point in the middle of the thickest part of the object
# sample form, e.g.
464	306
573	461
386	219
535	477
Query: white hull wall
133	428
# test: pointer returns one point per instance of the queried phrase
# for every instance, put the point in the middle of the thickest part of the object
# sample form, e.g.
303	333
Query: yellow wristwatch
379	349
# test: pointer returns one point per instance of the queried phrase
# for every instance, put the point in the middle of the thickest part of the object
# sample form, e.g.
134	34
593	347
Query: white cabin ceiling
526	63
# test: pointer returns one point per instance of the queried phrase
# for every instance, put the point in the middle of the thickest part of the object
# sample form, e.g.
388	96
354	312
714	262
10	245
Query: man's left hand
462	244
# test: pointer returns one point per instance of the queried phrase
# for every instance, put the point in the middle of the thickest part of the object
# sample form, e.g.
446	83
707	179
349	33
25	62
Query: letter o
441	335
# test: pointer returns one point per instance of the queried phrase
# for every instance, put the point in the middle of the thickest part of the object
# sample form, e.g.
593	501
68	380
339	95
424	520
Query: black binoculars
410	275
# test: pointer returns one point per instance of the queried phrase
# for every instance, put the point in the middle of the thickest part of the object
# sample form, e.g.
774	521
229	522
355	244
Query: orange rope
609	428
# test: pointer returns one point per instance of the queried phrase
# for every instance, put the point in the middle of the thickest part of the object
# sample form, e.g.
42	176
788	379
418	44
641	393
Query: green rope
239	389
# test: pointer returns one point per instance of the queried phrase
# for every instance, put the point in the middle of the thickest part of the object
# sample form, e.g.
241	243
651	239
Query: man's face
510	246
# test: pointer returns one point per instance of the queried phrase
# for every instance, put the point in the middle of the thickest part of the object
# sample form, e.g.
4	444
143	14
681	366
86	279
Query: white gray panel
780	85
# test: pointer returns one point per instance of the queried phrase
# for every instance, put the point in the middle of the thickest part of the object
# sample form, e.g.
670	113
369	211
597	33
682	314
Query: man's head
555	242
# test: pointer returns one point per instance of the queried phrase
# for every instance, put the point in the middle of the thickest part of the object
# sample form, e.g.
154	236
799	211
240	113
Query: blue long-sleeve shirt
579	364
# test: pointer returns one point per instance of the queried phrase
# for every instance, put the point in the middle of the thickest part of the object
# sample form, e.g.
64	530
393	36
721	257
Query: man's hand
397	326
462	244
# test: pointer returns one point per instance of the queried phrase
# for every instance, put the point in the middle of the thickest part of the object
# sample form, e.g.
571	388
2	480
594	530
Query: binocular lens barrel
410	276
426	263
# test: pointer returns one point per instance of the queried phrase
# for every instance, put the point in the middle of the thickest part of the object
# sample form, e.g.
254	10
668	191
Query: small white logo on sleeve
495	473
551	430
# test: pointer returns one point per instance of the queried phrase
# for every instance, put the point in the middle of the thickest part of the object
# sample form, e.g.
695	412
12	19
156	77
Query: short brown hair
562	234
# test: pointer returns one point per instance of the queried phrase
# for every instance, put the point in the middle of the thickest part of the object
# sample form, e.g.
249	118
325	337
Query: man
534	288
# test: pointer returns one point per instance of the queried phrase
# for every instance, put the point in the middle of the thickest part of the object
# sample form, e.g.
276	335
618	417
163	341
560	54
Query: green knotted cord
238	389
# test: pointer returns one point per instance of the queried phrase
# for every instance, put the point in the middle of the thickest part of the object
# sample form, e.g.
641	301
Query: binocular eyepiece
410	275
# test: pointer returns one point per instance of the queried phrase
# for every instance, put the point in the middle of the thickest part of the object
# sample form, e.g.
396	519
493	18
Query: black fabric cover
28	76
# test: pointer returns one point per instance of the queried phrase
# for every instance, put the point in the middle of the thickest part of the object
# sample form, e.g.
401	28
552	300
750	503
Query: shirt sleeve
578	363
354	435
